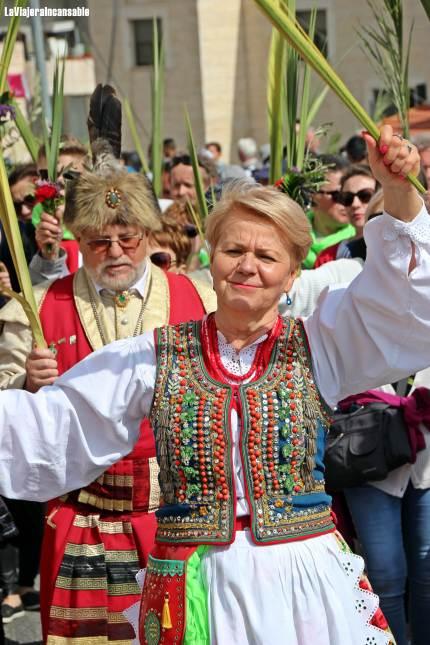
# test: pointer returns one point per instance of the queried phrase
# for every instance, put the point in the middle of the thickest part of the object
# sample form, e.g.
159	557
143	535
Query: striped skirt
88	575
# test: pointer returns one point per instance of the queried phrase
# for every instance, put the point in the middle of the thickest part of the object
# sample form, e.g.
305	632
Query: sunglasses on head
347	197
334	194
29	201
162	259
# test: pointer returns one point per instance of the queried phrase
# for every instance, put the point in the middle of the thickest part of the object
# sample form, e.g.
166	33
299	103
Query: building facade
215	63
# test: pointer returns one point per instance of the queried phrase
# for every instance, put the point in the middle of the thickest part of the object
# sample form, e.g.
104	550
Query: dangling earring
289	301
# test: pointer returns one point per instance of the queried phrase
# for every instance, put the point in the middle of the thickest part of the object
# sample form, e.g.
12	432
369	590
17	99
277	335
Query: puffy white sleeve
377	330
67	434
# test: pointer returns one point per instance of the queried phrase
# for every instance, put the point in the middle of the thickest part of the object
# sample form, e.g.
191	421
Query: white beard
120	283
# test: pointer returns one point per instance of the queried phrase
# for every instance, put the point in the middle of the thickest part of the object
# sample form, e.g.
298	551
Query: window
303	17
143	40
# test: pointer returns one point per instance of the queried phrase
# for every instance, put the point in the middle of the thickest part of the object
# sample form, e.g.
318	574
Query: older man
99	536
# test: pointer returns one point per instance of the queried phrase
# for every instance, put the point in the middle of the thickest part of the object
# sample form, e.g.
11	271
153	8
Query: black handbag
365	445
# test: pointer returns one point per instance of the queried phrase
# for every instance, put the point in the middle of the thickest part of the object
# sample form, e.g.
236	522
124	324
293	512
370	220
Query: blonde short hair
268	203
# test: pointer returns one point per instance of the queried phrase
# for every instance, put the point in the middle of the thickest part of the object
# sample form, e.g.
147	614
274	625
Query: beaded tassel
165	475
166	621
310	420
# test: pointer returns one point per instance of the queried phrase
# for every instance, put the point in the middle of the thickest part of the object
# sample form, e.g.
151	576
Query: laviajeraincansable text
46	12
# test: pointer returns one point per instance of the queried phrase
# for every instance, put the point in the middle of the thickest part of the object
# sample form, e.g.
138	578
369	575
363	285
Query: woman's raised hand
391	159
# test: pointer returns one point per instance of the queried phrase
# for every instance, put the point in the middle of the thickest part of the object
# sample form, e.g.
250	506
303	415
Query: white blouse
375	331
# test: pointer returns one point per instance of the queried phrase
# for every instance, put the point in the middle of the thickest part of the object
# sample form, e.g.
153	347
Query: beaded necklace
259	364
138	327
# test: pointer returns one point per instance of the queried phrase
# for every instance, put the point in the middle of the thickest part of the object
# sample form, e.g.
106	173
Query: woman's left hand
392	158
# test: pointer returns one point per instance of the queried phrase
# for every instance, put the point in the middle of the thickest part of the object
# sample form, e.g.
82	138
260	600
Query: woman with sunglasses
328	217
170	247
357	187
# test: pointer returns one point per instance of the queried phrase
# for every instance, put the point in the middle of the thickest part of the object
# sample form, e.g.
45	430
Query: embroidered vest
281	444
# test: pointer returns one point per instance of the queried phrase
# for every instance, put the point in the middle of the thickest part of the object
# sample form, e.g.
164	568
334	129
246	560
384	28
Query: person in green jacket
328	218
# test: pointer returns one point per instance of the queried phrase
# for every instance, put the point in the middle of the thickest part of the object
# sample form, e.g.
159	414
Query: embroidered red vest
281	444
116	489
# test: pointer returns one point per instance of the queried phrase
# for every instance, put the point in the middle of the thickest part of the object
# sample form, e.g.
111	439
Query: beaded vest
283	423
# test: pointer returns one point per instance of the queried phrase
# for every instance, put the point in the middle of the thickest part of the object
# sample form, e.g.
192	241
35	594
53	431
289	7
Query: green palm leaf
134	135
426	6
8	216
8	45
307	49
26	132
201	200
157	110
57	119
276	102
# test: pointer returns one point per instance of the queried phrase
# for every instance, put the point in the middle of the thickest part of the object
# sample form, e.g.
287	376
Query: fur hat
105	194
88	203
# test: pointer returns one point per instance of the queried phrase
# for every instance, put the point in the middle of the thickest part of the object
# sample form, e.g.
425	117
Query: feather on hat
106	194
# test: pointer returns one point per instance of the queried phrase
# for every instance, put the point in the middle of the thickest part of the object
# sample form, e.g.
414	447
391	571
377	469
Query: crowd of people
197	454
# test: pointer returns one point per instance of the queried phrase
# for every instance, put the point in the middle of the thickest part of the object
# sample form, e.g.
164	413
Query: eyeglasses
334	194
29	201
126	242
365	195
163	260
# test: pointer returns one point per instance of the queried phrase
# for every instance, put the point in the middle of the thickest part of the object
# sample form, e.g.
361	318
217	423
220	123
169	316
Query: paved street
24	630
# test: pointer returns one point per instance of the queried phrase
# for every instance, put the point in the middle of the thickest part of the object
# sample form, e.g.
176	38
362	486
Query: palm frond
26	132
135	136
276	102
201	200
157	97
8	216
304	109
293	32
383	45
197	221
57	119
10	225
426	7
9	44
315	106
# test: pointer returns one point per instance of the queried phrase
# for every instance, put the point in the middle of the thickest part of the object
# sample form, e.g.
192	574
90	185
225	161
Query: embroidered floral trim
366	602
418	230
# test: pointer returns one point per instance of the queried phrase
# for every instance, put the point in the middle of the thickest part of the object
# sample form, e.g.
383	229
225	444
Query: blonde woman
246	549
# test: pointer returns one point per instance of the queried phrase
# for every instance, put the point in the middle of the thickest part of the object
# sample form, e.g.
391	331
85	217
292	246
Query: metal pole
39	50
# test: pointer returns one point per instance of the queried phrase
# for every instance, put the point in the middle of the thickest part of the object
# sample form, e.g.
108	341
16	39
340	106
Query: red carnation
47	191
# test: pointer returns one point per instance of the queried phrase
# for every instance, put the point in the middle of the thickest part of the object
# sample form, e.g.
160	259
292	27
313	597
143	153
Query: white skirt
299	593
